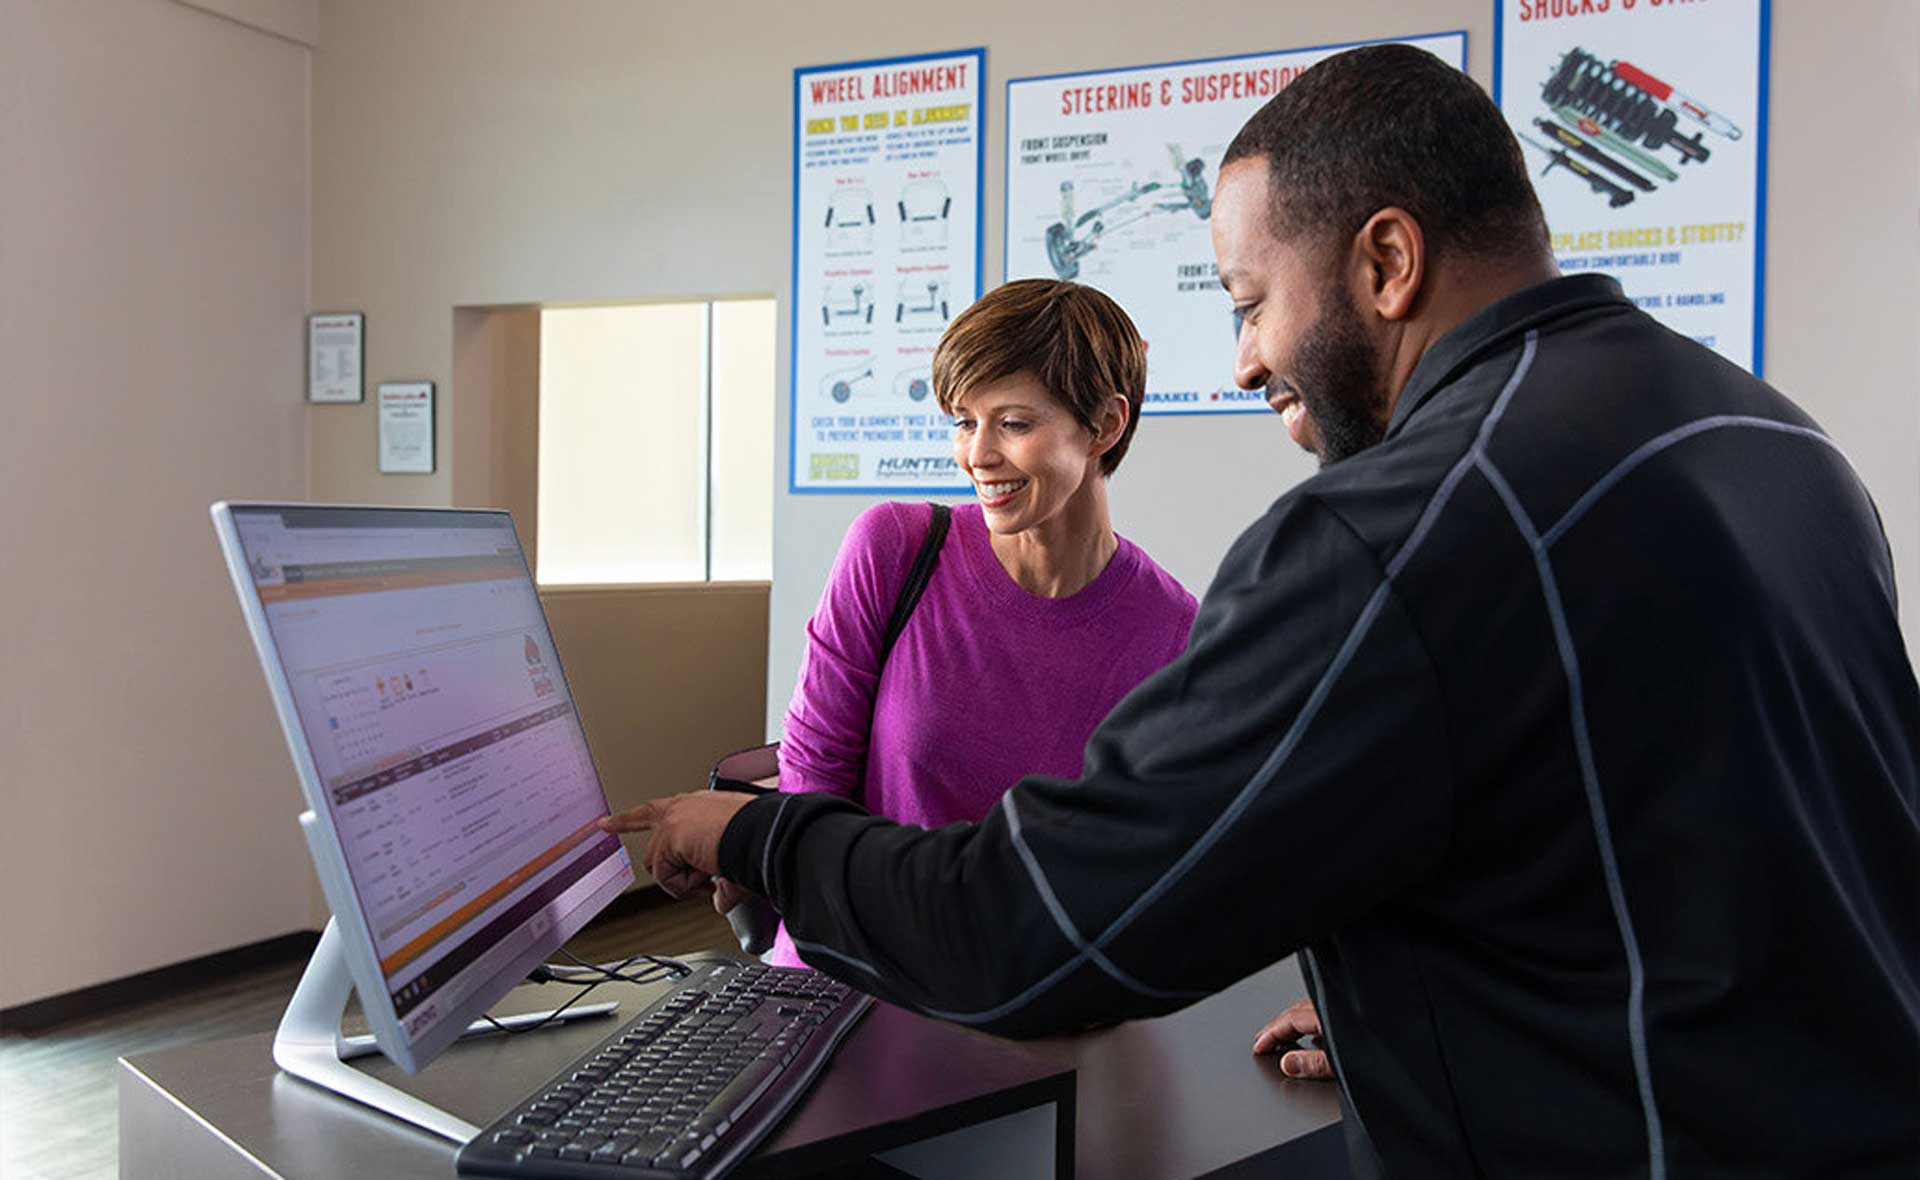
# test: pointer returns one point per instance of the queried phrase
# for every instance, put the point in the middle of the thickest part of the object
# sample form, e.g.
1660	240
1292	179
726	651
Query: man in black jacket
1562	722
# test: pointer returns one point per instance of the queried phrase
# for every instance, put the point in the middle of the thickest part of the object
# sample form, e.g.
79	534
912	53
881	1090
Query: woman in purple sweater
1038	617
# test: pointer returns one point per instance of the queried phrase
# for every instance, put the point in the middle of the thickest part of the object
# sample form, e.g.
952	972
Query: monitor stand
309	1043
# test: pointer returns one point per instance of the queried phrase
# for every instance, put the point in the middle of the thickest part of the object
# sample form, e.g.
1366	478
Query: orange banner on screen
466	913
370	577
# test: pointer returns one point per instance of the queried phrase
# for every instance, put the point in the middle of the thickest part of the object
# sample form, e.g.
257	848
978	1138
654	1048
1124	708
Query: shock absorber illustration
1616	196
1580	146
1687	105
1593	89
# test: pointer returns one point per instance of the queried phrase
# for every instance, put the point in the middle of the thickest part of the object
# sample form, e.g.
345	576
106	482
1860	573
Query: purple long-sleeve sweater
987	684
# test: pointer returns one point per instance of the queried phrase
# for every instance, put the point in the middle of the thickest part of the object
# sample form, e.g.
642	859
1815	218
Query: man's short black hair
1392	125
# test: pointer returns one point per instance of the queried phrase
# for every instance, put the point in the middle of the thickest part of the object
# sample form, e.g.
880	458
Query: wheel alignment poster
1110	179
886	251
1649	120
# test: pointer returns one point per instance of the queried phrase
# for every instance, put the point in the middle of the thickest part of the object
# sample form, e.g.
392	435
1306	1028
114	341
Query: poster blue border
979	54
1764	70
1006	148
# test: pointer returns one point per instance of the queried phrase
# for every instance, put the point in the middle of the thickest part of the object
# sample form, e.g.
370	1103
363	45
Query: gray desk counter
1179	1097
1184	1096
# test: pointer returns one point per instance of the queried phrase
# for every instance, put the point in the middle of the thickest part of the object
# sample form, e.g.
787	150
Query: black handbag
756	770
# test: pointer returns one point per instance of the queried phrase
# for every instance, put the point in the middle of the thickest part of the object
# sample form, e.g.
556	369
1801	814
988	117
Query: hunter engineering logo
919	467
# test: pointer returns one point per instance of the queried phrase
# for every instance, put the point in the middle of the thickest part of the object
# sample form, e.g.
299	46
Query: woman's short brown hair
1074	339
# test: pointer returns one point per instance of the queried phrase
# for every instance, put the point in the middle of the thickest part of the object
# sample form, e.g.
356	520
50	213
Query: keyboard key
645	1149
743	1088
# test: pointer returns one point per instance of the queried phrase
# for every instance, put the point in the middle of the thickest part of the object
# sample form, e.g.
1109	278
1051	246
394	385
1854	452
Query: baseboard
179	978
160	983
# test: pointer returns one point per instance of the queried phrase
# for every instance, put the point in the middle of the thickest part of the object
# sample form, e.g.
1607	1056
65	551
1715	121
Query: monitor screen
439	736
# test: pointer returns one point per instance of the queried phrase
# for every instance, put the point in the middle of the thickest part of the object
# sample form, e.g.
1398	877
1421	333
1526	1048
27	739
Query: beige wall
154	205
1843	248
668	678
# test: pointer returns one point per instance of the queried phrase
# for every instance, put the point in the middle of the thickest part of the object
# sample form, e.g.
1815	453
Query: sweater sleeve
823	742
1287	773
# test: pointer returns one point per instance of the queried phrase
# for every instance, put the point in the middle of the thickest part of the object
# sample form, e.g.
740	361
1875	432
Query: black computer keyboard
685	1089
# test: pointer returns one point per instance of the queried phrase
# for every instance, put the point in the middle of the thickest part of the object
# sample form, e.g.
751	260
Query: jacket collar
1493	325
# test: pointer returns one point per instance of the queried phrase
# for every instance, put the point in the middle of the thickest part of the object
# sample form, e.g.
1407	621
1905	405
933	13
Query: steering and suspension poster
1110	180
1644	123
886	250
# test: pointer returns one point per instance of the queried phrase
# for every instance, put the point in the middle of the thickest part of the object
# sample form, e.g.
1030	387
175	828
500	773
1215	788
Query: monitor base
310	1046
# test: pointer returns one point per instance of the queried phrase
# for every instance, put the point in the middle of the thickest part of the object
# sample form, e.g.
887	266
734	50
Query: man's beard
1339	381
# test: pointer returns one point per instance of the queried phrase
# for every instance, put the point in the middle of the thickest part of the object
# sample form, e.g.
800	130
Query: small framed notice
335	346
406	428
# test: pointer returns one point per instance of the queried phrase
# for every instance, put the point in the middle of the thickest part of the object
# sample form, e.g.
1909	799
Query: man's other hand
1284	1032
683	850
726	895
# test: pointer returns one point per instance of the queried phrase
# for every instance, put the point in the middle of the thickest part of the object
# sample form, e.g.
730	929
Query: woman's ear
1111	424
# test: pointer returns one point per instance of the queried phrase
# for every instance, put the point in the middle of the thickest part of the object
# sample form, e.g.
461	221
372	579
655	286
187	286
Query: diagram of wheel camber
924	207
844	305
850	220
921	302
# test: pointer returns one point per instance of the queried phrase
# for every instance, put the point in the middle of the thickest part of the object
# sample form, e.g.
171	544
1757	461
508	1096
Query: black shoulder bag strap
755	771
917	579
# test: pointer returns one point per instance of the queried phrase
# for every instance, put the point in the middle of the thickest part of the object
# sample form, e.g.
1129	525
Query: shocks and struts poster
1644	125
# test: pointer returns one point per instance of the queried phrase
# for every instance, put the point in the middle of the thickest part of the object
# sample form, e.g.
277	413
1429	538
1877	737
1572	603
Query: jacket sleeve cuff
745	839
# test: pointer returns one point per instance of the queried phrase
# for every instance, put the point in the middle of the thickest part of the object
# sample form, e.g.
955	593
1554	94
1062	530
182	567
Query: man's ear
1390	252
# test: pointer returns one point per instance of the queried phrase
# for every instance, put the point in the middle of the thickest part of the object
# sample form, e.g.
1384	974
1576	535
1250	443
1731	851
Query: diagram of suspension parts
846	304
1612	119
924	205
1074	237
850	219
922	300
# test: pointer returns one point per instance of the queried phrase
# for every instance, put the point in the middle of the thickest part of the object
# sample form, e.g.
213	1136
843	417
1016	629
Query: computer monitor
452	800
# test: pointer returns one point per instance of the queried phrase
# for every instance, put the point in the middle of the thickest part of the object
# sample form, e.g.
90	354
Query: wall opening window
656	443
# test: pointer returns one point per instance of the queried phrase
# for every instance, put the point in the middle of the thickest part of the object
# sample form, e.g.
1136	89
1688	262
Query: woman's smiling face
1026	453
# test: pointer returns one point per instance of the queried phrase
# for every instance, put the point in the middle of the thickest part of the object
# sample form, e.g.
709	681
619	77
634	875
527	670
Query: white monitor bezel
544	931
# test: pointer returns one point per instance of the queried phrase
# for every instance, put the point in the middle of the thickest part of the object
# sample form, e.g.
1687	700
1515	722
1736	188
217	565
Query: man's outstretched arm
1285	774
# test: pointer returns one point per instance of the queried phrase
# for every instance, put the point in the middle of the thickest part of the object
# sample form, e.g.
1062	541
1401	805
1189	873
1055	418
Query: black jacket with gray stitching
1570	731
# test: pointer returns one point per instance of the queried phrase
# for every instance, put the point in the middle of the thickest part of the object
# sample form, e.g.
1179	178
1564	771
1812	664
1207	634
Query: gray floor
58	1115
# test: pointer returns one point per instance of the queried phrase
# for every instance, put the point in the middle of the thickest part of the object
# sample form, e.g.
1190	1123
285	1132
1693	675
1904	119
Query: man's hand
1284	1031
683	852
726	895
